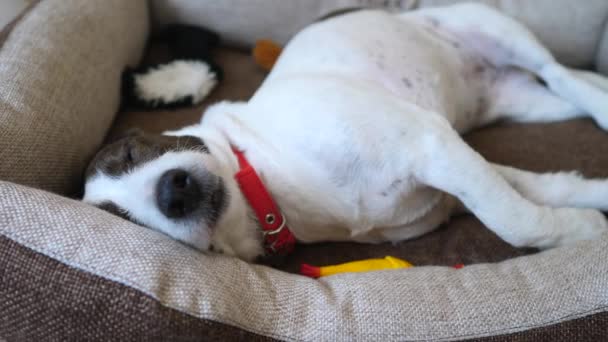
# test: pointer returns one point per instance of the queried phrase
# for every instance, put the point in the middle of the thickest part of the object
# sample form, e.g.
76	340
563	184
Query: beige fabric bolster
60	73
437	303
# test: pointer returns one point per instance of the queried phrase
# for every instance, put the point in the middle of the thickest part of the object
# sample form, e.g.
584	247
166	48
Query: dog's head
176	185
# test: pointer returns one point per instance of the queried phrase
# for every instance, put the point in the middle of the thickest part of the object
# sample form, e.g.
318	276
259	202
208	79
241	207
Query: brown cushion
60	70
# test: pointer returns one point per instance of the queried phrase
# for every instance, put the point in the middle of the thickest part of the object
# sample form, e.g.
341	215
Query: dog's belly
329	128
369	218
407	56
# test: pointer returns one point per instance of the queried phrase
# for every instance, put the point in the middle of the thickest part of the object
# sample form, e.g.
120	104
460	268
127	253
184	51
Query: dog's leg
504	42
561	189
449	164
518	96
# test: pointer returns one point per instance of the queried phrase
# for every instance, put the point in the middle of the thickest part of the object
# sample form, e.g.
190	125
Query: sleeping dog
354	136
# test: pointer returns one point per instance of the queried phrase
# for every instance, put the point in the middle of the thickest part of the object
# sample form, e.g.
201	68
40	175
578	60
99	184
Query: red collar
278	239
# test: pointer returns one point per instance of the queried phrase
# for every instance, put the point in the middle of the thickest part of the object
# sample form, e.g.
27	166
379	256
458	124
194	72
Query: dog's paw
574	225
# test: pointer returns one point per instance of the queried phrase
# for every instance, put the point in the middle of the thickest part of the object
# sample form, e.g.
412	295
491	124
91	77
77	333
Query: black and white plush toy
185	81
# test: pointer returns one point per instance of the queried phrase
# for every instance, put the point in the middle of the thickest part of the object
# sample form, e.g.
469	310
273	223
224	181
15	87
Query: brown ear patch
137	148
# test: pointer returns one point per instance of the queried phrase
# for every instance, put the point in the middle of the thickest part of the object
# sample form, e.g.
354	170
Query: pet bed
72	272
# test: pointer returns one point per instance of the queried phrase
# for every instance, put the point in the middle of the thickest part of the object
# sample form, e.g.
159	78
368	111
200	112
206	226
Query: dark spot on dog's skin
407	82
441	36
479	69
396	183
486	62
434	22
482	104
394	186
137	148
380	64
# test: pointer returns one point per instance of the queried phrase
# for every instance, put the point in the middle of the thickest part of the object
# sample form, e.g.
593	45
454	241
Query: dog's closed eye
129	154
134	152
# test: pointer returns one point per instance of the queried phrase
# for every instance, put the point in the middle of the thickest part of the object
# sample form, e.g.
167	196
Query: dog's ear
131	132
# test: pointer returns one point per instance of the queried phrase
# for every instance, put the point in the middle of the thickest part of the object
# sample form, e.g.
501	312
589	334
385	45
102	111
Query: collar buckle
278	230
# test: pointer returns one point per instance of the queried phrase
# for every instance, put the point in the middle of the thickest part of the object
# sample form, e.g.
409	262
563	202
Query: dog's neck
241	216
223	131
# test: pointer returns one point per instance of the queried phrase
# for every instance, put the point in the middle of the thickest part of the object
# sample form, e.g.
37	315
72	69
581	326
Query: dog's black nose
177	193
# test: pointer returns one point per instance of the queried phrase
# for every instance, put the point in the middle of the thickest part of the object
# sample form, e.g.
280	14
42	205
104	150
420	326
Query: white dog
355	136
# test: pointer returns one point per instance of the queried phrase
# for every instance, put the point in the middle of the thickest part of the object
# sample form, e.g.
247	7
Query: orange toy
266	52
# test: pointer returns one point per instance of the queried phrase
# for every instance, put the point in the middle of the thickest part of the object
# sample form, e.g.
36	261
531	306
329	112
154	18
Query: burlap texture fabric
46	300
60	72
414	304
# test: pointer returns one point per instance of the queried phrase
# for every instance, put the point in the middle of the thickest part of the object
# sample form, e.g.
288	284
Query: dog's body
354	133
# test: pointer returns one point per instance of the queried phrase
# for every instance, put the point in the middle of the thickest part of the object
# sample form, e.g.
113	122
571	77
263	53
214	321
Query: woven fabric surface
45	300
60	70
419	303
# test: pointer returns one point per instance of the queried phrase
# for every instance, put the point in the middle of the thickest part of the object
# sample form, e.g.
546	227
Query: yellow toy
356	266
